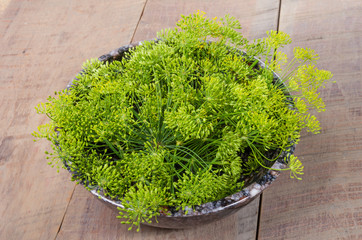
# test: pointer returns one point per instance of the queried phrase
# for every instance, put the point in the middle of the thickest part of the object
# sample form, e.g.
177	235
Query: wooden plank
327	203
87	218
43	44
256	17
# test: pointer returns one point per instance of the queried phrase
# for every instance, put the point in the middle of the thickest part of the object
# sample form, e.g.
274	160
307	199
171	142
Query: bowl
211	211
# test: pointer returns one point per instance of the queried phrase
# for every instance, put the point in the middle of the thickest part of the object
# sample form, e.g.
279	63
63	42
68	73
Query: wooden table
42	46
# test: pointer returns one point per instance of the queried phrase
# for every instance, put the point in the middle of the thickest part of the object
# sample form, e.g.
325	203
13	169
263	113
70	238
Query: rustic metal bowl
211	211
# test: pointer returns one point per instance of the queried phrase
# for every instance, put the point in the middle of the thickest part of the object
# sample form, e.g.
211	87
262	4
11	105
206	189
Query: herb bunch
182	121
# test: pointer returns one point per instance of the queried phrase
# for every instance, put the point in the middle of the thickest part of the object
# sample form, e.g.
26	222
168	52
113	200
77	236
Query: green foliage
141	203
296	167
196	188
183	121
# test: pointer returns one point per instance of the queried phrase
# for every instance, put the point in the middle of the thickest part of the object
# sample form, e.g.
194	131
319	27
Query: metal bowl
210	211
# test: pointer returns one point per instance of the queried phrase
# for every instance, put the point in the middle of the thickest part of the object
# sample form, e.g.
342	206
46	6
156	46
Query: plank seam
259	216
139	20
65	212
279	11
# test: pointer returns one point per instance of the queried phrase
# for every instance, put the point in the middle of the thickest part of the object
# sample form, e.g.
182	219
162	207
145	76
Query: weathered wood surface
256	17
327	204
42	46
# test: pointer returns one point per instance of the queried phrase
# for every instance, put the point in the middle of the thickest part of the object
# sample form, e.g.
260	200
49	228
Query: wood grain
327	204
87	218
43	44
256	17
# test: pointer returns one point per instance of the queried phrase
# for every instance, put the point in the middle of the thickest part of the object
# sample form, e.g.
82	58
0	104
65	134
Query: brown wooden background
42	46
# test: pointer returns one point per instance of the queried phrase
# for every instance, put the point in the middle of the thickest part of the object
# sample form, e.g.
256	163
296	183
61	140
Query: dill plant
183	120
